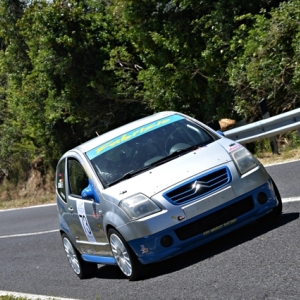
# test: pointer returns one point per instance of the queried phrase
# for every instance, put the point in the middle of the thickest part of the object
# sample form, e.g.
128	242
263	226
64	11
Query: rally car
153	189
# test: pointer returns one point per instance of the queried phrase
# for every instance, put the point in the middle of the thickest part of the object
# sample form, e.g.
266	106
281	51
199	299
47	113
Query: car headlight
244	160
138	206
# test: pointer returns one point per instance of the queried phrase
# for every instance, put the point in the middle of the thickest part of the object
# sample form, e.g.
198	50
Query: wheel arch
72	239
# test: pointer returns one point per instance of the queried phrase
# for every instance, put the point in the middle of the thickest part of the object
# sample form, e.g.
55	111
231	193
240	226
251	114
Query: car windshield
138	150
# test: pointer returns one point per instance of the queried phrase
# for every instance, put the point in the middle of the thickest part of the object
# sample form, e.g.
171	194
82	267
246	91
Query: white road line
281	163
28	207
32	296
292	199
27	234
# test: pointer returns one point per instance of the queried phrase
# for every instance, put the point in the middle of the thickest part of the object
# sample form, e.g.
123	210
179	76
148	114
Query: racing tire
82	268
276	212
124	256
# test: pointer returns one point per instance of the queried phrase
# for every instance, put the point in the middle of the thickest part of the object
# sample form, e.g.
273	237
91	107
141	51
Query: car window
77	178
60	180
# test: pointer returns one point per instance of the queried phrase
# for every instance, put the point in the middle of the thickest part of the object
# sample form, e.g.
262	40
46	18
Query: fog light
166	241
262	198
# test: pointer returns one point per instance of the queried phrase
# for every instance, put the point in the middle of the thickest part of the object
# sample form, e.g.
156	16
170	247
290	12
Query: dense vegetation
71	68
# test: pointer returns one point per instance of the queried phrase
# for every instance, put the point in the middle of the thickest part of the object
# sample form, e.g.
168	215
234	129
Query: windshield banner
131	135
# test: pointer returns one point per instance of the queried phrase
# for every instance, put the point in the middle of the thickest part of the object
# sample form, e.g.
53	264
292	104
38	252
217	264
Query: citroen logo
200	185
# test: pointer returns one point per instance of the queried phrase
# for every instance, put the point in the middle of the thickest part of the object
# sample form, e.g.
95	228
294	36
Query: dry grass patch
267	158
26	202
36	190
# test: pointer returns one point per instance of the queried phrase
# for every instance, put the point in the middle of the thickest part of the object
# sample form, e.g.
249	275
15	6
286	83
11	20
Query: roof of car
105	137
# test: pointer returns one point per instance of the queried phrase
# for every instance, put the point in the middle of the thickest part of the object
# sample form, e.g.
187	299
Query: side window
78	180
60	180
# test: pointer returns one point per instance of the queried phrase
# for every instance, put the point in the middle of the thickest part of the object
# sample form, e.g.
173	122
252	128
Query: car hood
171	173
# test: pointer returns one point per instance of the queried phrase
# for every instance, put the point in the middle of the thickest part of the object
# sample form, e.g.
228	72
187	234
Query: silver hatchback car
153	189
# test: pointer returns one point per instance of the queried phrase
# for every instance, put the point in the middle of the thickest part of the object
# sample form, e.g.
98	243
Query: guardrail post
266	114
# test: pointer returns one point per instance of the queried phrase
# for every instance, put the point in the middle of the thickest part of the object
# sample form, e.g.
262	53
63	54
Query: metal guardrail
266	128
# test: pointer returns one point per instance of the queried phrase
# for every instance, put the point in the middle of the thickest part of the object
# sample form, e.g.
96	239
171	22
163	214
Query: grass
26	202
267	158
289	149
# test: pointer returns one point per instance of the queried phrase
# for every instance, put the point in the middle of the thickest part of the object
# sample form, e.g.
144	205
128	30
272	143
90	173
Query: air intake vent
215	219
199	186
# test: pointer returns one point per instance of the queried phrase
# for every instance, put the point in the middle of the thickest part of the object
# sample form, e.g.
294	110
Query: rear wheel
124	256
82	268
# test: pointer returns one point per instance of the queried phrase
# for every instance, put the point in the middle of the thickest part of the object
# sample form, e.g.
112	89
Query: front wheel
124	256
82	268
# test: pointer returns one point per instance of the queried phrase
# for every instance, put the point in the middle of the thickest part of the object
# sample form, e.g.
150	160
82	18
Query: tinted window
78	180
60	180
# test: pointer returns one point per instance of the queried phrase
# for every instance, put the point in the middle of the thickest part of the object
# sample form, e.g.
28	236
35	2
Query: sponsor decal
219	227
84	221
95	215
60	185
131	135
234	146
144	250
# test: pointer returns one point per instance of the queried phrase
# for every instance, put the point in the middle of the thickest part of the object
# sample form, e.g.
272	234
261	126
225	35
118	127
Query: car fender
121	223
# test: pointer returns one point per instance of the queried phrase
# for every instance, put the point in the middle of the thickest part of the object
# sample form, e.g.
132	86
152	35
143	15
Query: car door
82	215
67	206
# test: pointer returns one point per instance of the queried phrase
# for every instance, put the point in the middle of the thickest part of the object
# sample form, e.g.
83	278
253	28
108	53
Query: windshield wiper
174	154
129	175
163	160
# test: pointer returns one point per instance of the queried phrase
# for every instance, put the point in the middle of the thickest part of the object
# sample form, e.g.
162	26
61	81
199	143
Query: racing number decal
84	221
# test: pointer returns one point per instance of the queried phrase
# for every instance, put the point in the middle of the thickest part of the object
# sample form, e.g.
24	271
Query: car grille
215	219
198	187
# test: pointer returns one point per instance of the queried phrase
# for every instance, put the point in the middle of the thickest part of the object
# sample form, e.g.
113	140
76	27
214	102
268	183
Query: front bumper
204	227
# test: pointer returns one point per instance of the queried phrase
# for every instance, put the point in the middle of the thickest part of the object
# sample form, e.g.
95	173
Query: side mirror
89	193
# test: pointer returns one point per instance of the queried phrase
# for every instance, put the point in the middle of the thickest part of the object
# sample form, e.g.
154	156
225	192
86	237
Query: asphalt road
256	262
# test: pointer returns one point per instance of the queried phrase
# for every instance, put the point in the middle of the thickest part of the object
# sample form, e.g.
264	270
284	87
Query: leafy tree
69	69
13	61
267	64
64	95
184	49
